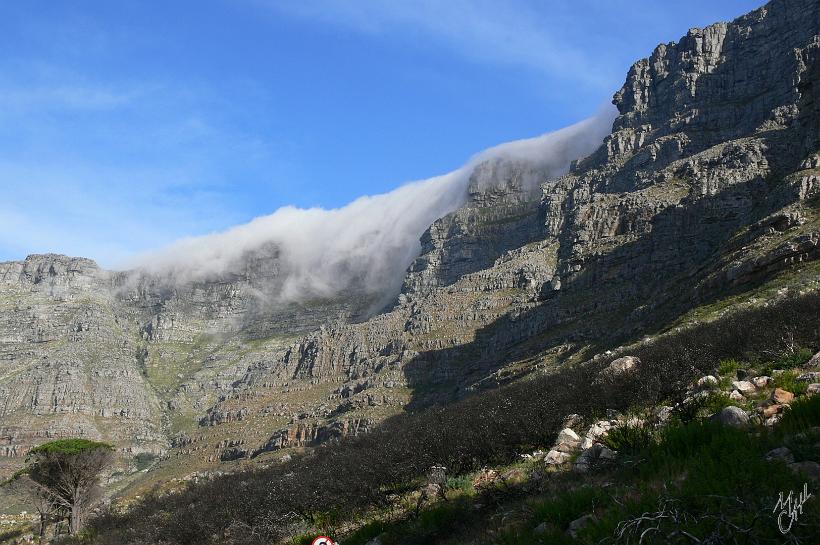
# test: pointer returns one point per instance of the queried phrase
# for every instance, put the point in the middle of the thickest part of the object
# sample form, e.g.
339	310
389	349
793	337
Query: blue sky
127	125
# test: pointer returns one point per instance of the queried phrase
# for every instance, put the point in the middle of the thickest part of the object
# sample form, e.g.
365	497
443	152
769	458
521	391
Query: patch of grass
800	416
788	381
461	483
728	367
567	507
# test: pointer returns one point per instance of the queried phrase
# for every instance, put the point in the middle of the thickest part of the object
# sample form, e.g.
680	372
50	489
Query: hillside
702	204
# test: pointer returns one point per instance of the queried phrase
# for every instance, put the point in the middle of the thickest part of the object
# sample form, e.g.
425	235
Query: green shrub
803	414
728	367
629	438
797	359
788	381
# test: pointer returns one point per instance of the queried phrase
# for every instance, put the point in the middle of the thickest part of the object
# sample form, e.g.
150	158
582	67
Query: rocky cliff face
708	186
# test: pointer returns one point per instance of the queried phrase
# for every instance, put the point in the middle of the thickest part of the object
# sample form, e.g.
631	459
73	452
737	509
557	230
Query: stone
813	389
577	525
485	478
762	381
572	421
731	416
556	457
814	362
782	396
709	381
621	366
780	453
437	475
771	410
808	468
736	396
595	456
812	376
544	528
744	387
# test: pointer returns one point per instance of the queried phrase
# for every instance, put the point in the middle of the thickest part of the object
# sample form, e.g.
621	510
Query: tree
66	473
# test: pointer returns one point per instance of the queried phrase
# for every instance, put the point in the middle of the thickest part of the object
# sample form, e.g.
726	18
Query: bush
629	438
788	381
803	414
728	367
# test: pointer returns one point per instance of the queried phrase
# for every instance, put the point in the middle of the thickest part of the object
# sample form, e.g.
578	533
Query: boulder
782	396
808	468
812	389
744	386
731	416
708	381
567	441
572	421
769	411
595	456
618	368
543	528
556	457
780	453
736	396
579	524
762	381
812	376
814	362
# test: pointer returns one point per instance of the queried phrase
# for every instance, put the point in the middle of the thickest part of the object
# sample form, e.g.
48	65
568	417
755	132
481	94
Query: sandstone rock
744	387
782	396
771	410
731	416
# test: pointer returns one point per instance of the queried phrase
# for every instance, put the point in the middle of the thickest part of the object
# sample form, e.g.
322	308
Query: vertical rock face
722	82
709	182
501	215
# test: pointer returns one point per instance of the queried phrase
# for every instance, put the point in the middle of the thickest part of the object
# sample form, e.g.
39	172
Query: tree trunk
76	520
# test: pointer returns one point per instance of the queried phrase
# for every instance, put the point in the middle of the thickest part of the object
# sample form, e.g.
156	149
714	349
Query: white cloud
371	240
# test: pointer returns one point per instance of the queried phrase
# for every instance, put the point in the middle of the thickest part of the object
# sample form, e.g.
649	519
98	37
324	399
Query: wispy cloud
482	30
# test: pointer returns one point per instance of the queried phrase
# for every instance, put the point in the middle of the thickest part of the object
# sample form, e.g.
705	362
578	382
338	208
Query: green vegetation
69	447
629	438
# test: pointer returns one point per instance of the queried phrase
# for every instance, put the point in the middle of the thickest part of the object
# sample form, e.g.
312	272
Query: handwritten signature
790	507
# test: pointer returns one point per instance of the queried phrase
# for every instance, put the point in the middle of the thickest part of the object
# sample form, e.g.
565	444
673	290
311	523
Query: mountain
705	196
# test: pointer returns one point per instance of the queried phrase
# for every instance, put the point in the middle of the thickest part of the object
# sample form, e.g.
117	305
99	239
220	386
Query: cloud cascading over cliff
370	241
